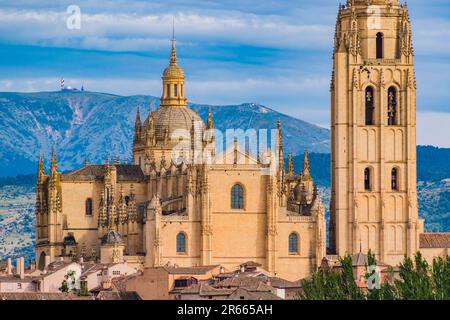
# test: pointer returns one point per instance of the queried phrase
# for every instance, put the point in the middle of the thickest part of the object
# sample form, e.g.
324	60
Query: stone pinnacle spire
291	164
54	165
210	122
40	166
306	168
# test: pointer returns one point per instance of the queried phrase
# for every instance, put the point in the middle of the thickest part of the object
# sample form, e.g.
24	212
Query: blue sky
277	53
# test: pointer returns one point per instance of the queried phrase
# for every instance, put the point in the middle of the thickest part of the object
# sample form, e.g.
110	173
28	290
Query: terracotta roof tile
34	296
435	240
190	270
110	295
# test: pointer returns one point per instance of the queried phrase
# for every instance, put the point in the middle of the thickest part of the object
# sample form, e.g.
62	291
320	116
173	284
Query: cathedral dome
173	71
170	121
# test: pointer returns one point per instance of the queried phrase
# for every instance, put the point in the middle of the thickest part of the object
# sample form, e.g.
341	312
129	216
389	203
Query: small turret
280	146
210	122
54	165
41	168
291	171
306	172
137	127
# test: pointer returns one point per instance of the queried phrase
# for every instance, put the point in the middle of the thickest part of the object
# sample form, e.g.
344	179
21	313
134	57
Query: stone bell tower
373	132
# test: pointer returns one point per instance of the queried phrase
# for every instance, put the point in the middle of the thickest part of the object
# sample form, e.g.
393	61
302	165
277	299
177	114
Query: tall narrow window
369	106
175	90
394	179
379	45
181	90
237	197
367	180
88	207
293	243
181	243
392	106
168	90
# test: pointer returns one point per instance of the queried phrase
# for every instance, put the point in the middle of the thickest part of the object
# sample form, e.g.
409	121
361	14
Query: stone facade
180	203
373	131
373	105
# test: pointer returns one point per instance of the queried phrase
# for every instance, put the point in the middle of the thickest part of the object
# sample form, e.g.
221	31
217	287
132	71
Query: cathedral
181	202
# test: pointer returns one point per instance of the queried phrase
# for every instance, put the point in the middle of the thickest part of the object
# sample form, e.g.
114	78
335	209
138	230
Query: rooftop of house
435	240
34	296
198	270
112	295
204	289
244	294
249	283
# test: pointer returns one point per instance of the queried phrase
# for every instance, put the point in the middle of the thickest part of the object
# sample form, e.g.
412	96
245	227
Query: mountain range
86	125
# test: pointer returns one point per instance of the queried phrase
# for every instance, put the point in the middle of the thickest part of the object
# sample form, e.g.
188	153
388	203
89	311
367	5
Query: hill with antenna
88	125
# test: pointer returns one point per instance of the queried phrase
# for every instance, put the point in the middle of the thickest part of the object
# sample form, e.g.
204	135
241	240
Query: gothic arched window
176	90
293	243
237	197
392	106
181	243
394	179
168	90
88	207
367	180
370	106
380	45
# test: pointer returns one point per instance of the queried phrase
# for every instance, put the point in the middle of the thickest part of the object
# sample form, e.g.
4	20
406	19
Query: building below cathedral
192	208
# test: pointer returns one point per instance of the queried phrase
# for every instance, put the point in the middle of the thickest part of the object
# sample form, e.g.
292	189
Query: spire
291	165
40	166
173	55
306	173
54	165
280	146
137	126
210	122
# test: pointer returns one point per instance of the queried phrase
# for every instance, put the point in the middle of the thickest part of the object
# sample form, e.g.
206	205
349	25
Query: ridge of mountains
86	125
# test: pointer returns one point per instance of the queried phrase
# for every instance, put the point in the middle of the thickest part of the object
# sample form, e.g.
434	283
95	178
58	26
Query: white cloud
433	129
119	32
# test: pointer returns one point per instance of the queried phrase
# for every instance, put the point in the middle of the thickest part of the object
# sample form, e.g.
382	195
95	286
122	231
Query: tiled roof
34	296
283	283
91	268
56	266
435	240
14	278
110	295
244	294
249	283
120	282
359	260
190	270
125	172
204	289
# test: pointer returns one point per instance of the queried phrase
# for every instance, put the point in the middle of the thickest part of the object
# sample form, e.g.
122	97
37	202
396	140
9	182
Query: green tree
415	282
441	278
